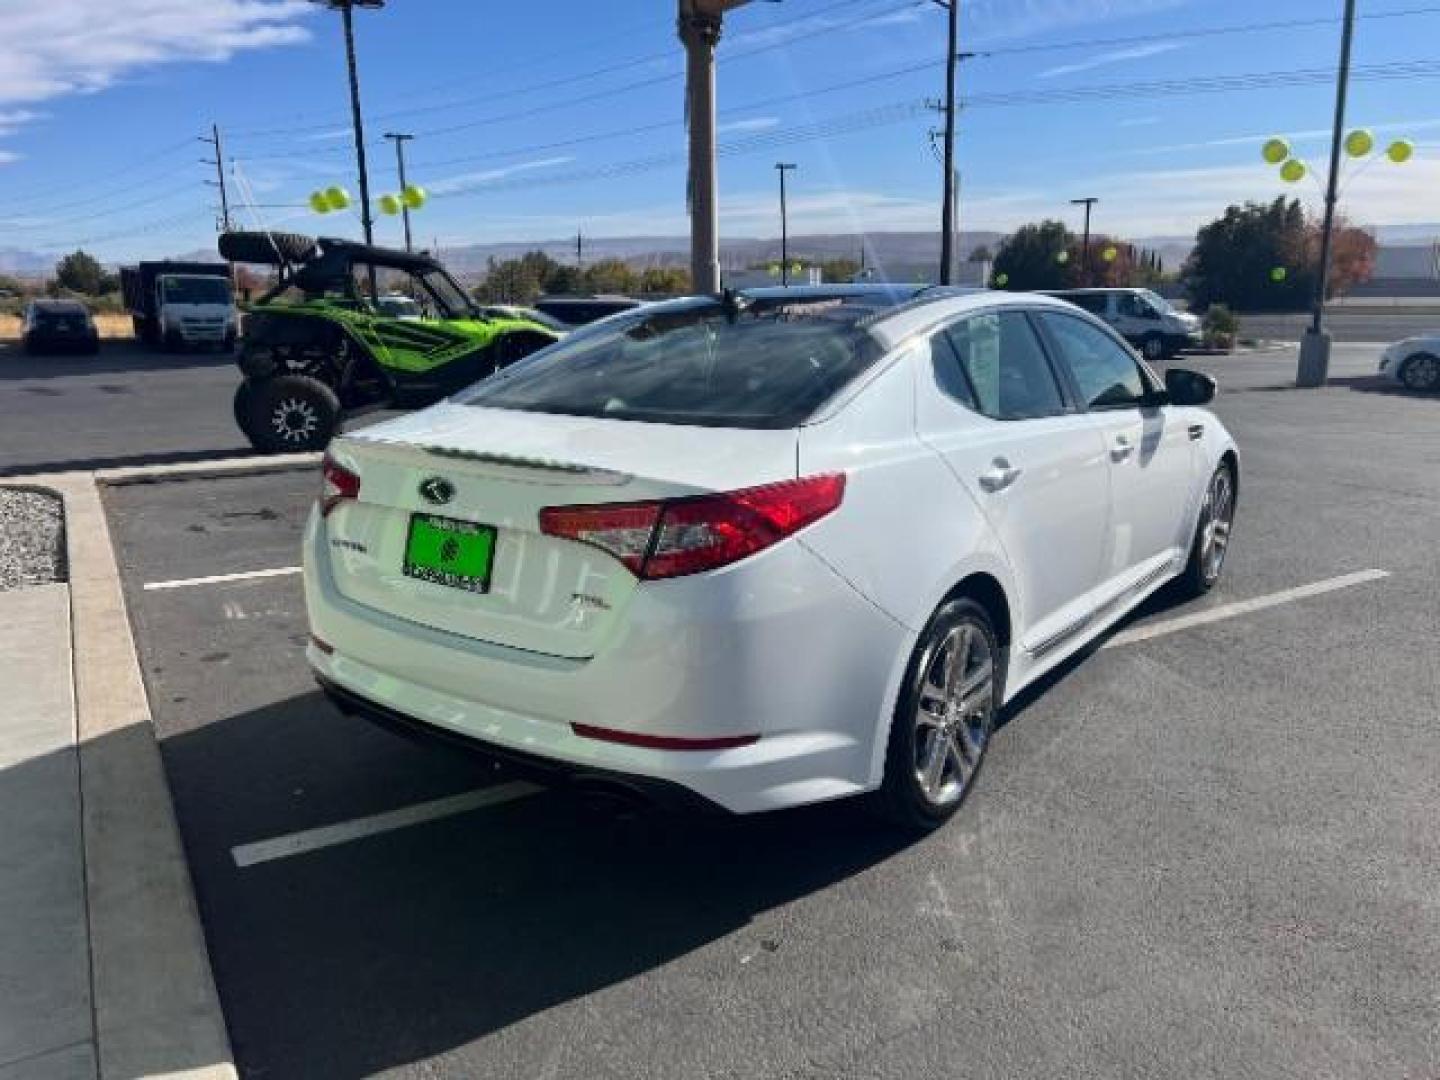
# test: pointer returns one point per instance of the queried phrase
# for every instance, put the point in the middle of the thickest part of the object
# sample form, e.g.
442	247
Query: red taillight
676	537
663	742
337	483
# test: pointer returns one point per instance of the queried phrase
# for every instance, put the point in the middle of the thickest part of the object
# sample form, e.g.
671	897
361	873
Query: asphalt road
1208	854
1378	323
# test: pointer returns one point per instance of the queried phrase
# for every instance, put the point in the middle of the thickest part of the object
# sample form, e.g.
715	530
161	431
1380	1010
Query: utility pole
782	168
579	250
400	140
699	26
947	212
347	11
1314	366
1088	203
219	181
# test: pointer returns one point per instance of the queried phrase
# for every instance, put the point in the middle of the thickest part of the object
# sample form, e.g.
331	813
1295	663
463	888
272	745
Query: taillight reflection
337	484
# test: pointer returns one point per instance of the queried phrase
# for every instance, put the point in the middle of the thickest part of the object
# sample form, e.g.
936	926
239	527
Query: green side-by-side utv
319	346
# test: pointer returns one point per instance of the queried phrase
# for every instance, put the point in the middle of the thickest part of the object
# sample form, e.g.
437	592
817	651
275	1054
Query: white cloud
995	19
7	156
758	123
59	47
1320	136
1139	121
1118	56
451	185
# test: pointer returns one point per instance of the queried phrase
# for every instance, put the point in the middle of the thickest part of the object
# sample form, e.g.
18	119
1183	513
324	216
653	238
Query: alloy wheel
1219	516
1422	373
955	714
295	420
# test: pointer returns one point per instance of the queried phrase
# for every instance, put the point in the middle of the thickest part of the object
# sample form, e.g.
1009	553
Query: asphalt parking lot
1206	849
126	406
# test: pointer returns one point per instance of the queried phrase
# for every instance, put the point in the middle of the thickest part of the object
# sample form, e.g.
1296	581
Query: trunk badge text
436	490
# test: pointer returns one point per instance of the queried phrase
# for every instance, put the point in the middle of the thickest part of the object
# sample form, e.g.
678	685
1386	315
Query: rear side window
1008	375
769	365
1108	376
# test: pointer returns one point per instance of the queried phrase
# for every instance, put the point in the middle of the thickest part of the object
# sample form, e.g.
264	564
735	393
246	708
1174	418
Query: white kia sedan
1414	363
765	549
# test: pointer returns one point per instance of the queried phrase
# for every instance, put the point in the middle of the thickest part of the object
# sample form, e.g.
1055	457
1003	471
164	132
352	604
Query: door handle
999	476
1122	449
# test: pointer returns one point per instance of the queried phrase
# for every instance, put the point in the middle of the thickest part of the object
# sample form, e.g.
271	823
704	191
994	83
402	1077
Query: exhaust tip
604	795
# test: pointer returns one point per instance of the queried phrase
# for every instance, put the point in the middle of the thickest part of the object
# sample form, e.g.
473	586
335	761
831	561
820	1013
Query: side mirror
1187	387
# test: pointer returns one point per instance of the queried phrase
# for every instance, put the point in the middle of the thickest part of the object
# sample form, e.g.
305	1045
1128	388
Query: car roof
59	305
1093	289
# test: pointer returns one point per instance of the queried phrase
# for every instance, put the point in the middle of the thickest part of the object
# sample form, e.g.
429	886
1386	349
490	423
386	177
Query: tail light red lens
676	537
337	484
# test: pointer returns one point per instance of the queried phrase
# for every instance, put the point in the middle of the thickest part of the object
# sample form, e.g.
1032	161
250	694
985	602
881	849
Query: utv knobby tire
267	248
289	414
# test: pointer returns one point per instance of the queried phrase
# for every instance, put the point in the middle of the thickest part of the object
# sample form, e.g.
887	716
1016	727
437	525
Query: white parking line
220	579
1243	607
302	843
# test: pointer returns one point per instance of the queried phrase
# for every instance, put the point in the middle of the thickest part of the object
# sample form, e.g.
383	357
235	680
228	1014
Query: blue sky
533	120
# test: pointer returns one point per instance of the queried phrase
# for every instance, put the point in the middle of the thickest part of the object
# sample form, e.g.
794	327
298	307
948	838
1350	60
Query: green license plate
443	551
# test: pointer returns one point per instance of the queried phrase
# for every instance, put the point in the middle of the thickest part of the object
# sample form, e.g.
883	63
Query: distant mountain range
896	255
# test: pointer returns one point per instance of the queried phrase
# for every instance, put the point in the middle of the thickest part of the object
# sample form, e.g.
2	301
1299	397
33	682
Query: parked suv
57	326
1143	318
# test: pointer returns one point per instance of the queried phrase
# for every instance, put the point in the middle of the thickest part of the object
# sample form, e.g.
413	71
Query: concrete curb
203	470
157	1012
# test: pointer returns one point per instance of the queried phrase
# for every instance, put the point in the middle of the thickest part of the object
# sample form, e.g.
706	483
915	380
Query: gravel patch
32	539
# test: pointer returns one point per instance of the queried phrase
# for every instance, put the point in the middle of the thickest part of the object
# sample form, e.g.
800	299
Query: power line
144	161
590	75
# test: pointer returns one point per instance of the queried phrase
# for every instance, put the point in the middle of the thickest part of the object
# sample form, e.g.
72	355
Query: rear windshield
767	365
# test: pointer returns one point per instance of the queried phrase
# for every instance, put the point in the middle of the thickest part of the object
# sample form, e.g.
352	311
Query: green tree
82	273
839	270
1029	258
517	281
665	281
1235	256
610	276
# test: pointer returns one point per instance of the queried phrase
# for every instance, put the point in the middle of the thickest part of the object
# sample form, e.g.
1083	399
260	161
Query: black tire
1153	348
288	414
266	248
242	406
1421	372
904	797
1201	573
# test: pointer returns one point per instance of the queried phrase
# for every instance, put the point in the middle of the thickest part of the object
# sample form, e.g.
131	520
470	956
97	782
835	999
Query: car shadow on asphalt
1374	384
395	948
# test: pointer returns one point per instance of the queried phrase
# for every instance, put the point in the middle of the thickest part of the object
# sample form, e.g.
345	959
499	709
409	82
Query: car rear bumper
544	770
791	654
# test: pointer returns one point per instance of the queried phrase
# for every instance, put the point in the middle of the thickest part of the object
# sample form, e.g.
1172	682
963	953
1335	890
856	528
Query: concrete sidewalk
47	1024
104	973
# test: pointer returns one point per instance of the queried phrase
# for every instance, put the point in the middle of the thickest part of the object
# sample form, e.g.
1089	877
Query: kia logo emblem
437	490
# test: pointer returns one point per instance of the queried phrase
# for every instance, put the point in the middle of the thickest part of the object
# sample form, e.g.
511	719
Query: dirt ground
110	327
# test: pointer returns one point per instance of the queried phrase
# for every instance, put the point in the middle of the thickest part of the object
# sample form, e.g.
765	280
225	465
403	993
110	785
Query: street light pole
346	9
1085	244
1314	366
400	140
782	168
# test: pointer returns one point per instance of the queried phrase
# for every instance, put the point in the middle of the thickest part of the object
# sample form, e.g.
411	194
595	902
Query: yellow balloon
1293	171
319	203
1110	254
1279	274
1359	142
337	198
1275	151
390	204
1401	151
773	269
414	196
1001	280
1063	258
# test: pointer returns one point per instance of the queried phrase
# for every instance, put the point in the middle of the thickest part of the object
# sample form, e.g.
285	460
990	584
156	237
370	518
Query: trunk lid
501	468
